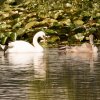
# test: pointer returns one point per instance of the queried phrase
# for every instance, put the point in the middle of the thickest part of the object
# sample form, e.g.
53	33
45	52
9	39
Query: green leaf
13	36
1	35
50	31
78	22
30	24
3	40
79	36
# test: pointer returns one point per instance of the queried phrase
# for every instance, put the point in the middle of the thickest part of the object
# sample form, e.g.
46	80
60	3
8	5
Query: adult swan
23	46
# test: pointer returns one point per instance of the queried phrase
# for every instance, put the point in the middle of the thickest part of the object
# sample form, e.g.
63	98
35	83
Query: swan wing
20	46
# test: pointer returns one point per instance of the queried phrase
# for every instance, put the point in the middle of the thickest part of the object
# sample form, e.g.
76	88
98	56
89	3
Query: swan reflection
84	57
67	76
39	66
27	61
80	58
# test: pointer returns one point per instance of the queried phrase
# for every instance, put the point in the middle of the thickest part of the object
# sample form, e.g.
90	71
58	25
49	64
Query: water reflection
81	70
16	71
83	58
49	76
24	61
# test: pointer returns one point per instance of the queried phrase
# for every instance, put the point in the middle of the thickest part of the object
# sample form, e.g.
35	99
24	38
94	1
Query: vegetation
66	21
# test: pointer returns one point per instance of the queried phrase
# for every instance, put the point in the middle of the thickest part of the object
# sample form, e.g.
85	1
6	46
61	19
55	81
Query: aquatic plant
73	19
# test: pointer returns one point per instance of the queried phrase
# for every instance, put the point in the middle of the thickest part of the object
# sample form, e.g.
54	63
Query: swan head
40	34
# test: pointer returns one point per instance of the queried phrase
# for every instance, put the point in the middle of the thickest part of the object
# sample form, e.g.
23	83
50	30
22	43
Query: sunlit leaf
30	24
17	25
68	5
20	31
78	22
79	36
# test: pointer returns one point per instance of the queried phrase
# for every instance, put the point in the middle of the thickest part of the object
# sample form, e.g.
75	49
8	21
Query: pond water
53	75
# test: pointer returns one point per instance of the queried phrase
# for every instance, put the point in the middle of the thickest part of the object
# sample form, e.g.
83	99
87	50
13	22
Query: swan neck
91	40
35	42
94	48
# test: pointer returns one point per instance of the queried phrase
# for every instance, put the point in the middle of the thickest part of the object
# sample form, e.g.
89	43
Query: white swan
22	46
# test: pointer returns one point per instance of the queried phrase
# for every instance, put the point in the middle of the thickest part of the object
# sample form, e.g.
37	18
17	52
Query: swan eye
43	36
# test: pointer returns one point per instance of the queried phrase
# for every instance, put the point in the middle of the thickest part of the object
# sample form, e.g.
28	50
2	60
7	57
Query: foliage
74	19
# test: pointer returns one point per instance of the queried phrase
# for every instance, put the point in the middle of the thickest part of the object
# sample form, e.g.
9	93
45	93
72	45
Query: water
53	75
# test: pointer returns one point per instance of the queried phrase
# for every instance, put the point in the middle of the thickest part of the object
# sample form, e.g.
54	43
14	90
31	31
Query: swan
90	46
23	46
84	48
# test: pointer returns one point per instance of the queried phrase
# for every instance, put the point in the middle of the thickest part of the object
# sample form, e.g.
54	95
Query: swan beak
44	39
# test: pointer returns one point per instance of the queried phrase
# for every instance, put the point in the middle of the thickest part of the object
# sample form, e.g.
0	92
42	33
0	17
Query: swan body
23	46
84	48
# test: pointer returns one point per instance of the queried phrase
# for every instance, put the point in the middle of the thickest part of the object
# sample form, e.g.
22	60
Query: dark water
53	75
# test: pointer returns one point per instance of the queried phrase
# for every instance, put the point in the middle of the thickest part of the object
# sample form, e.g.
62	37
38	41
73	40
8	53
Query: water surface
52	75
